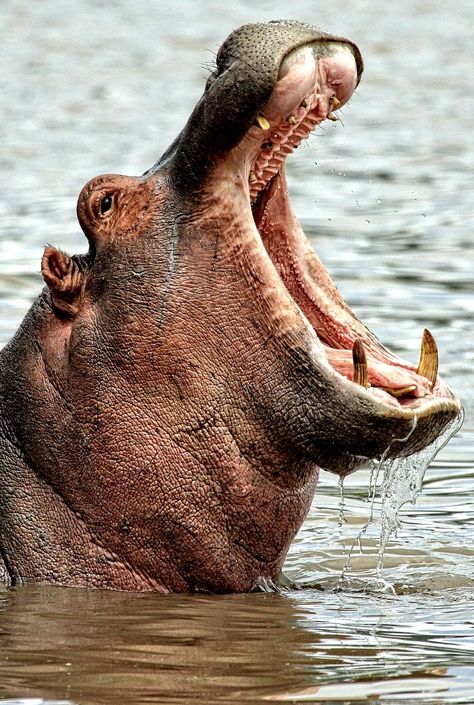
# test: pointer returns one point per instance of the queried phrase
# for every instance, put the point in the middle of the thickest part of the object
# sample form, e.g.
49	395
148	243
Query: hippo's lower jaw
396	399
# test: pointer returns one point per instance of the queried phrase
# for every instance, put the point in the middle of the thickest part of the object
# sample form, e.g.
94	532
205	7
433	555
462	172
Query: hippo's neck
100	496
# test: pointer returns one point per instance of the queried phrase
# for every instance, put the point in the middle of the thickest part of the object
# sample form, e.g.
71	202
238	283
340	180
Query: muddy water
387	197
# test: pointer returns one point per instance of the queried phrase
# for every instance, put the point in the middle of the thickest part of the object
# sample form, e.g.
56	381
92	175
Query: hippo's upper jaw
169	397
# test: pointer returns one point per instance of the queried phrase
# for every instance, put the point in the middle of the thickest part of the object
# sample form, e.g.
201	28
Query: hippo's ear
64	279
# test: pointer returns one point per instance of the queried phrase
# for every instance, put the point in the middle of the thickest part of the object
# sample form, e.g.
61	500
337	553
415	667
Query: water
387	197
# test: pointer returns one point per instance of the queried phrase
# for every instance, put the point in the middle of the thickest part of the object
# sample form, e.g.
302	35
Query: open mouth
346	397
314	81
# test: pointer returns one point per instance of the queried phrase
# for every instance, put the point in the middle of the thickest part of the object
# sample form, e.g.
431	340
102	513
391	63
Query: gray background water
88	88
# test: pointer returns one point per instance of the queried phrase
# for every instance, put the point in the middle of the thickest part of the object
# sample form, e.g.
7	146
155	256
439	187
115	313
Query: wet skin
170	396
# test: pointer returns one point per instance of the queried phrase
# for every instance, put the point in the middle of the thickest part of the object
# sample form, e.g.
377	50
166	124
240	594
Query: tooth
360	374
304	103
331	116
262	122
428	364
399	391
252	177
291	120
334	102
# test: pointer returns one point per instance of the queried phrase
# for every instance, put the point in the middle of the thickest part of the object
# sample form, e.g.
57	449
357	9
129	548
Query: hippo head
200	364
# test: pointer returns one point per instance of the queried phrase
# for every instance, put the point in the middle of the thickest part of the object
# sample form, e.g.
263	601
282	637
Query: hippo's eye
105	204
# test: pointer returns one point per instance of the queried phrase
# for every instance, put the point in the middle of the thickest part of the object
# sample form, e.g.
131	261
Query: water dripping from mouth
342	506
402	479
394	482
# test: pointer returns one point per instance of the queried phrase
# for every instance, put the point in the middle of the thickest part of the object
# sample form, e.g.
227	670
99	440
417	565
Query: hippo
170	396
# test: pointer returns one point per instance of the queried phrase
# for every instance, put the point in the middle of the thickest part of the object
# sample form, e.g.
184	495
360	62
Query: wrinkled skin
170	396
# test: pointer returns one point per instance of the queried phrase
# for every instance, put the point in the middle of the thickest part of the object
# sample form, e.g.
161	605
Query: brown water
87	88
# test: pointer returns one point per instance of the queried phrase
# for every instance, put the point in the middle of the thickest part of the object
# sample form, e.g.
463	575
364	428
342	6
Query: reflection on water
96	647
388	200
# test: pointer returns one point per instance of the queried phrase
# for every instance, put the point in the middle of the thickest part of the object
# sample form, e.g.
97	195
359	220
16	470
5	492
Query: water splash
401	482
283	583
376	468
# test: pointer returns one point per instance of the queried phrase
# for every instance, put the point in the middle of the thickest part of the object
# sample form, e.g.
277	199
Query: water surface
387	199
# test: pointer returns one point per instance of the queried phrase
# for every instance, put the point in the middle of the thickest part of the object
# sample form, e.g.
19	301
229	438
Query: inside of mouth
314	82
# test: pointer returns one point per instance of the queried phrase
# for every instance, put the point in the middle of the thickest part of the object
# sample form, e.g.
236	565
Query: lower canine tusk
428	364
360	374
